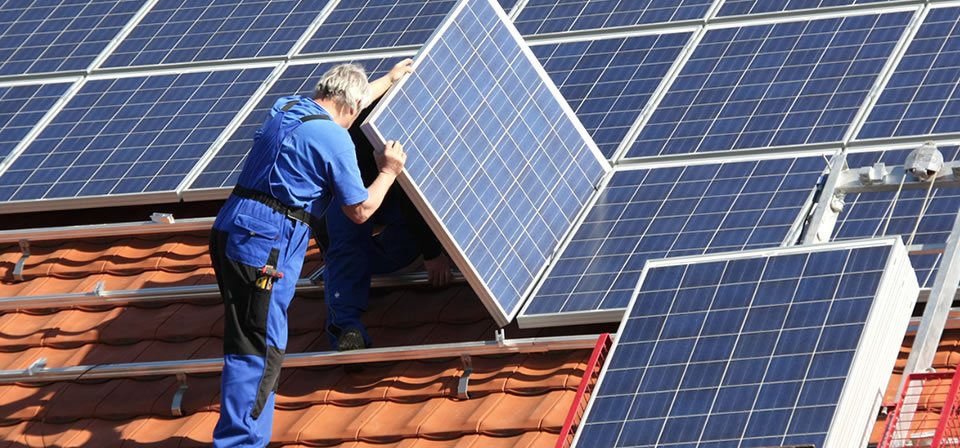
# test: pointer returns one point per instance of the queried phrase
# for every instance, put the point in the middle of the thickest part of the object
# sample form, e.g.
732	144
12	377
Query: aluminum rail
177	293
213	365
100	230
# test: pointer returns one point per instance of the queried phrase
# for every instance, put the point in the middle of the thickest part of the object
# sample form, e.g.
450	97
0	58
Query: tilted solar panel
21	107
609	81
646	214
205	30
738	7
129	135
497	161
921	96
866	215
552	16
39	37
770	85
755	349
381	23
223	169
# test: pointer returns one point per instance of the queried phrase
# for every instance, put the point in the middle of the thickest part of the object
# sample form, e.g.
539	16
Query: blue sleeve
339	170
344	173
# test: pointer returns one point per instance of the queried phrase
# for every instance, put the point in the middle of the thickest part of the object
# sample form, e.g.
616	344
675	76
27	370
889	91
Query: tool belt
294	213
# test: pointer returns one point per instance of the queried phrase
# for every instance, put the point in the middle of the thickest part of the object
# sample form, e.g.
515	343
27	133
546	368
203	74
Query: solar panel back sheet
498	163
763	348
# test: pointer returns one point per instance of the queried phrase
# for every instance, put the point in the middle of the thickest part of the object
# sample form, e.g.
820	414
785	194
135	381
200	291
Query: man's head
346	87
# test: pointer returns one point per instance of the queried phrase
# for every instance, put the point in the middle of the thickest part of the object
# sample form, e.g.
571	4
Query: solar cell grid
749	350
47	36
21	107
668	212
738	7
223	169
771	85
922	96
203	30
129	135
381	23
608	82
552	16
477	87
864	214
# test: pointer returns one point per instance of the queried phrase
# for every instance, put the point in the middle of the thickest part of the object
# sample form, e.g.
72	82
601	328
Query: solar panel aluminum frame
867	378
457	253
615	315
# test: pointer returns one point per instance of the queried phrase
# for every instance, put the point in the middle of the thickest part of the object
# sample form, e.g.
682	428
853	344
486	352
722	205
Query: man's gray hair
346	84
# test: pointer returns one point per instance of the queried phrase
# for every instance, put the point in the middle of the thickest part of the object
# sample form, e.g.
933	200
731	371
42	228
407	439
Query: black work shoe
352	339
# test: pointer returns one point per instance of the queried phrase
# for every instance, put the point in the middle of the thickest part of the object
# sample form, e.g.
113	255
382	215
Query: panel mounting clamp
465	378
500	335
18	268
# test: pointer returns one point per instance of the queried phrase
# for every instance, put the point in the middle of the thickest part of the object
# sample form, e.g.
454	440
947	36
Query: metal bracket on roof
162	218
465	378
870	175
178	396
37	365
18	268
99	288
500	335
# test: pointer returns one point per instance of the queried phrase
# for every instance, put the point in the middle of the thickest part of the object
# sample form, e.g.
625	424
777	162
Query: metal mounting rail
99	230
179	293
213	365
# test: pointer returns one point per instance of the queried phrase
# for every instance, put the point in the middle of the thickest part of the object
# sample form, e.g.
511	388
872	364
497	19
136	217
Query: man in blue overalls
302	160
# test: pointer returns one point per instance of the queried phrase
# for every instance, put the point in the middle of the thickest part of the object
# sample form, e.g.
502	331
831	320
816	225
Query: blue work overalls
255	238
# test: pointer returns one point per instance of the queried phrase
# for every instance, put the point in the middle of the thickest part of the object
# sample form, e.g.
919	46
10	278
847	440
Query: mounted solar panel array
21	107
500	213
647	214
43	37
554	16
782	84
739	7
922	96
223	170
754	349
177	31
870	214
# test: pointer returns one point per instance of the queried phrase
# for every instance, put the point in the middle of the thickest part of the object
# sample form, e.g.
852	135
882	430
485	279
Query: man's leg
255	337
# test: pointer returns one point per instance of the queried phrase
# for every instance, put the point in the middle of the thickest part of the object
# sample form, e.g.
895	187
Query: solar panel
497	162
39	37
223	169
921	96
739	7
755	349
865	215
554	16
129	135
609	81
771	85
21	107
191	30
381	23
646	214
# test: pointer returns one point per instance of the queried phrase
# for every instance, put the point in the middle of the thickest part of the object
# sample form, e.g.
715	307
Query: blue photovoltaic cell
21	107
129	135
224	168
381	23
494	152
38	37
552	16
608	82
748	352
922	95
738	7
771	85
204	30
863	213
669	212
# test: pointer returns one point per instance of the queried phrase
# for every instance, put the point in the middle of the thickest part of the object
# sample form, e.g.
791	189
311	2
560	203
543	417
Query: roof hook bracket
501	336
99	288
162	218
465	378
178	396
18	268
37	366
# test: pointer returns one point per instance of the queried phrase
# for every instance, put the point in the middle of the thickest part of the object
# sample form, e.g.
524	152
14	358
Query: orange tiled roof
516	399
